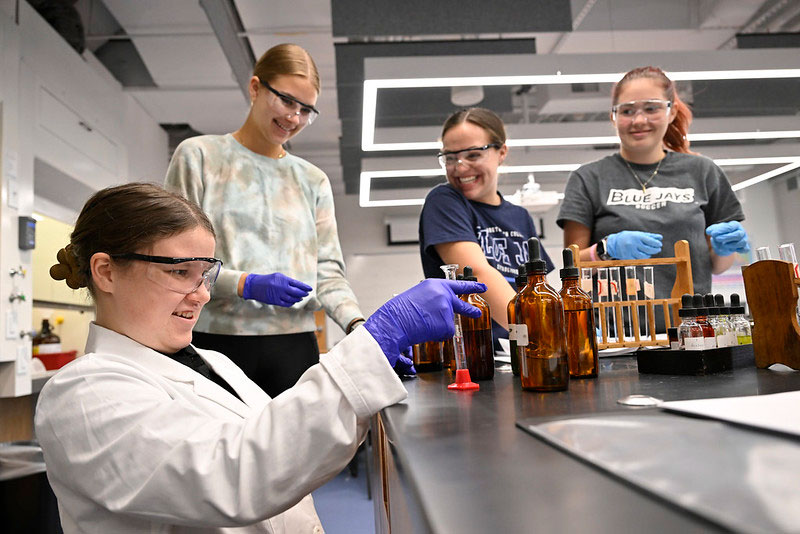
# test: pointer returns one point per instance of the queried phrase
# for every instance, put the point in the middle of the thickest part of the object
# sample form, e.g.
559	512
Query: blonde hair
484	118
285	59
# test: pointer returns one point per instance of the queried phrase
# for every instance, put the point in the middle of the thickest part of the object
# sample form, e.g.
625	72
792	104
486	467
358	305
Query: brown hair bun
67	268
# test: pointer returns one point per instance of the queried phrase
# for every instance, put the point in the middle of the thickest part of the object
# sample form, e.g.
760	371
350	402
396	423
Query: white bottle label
722	340
512	333
48	348
522	335
710	342
694	343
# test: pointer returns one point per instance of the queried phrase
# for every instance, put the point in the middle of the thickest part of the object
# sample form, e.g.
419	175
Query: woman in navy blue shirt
467	221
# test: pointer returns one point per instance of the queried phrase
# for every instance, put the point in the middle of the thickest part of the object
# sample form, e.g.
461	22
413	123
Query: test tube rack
771	289
683	284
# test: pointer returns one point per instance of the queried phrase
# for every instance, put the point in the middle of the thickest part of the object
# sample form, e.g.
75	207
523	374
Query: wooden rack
771	288
683	284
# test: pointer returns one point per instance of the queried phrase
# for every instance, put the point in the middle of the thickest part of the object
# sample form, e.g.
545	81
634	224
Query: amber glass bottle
541	342
478	335
511	312
46	341
578	322
428	356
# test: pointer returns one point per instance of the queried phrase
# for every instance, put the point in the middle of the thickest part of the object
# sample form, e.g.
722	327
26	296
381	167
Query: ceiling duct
64	19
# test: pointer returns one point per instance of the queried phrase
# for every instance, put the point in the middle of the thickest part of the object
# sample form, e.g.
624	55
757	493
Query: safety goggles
466	156
288	105
651	110
182	275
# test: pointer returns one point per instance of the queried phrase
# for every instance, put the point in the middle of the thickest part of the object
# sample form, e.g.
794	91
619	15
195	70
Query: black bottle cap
522	276
719	300
535	265
569	270
736	306
459	277
687	306
708	302
697	300
468	276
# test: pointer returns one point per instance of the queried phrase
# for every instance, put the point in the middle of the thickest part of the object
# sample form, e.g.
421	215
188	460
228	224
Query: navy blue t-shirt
501	231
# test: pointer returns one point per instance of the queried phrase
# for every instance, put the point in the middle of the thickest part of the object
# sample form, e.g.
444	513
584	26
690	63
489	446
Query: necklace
643	184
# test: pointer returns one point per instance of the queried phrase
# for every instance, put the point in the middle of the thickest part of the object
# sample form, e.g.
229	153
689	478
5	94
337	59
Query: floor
342	503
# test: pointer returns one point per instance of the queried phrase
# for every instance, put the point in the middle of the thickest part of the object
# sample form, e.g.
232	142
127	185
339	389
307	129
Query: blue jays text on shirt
501	247
655	197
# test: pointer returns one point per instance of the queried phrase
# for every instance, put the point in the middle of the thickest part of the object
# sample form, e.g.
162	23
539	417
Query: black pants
273	362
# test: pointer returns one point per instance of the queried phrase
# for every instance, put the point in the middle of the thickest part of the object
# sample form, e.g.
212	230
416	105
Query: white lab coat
137	442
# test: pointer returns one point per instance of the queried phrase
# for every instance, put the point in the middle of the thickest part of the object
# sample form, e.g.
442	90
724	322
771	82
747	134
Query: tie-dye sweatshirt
270	215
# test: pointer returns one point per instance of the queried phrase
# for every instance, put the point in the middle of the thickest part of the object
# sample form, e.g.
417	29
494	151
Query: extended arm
498	292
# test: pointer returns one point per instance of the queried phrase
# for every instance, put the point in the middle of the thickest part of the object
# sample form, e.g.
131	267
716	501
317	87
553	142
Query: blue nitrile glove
405	365
275	288
422	313
727	238
633	245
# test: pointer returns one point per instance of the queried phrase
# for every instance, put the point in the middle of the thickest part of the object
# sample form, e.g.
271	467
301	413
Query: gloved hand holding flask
276	288
422	313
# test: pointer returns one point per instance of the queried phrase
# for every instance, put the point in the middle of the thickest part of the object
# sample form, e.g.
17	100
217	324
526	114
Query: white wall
47	91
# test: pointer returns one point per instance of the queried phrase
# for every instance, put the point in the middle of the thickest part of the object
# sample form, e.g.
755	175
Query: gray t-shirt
688	194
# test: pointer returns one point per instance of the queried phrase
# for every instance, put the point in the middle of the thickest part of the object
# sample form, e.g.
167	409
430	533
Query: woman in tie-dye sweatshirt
276	230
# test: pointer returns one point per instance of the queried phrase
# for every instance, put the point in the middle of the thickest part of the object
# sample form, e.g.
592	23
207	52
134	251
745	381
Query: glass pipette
463	380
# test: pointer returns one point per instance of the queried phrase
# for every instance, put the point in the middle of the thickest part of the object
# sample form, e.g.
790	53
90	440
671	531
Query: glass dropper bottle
463	381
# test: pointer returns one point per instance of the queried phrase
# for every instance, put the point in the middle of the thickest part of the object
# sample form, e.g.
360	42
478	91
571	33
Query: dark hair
287	58
122	219
675	137
485	118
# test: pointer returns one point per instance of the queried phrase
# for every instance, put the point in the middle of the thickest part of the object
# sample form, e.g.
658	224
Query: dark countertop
467	468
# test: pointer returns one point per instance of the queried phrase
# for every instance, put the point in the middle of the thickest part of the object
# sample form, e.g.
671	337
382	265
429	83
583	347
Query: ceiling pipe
225	21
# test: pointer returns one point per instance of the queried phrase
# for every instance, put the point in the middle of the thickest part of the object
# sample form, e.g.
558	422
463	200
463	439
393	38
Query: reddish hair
675	138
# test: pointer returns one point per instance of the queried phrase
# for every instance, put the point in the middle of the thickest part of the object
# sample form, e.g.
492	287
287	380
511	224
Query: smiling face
139	308
476	179
641	138
274	125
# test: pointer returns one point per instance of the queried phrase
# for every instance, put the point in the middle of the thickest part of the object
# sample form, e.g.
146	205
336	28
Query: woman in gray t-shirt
636	203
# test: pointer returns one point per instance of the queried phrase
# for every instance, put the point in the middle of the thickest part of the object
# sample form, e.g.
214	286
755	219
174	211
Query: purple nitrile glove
275	288
405	364
422	313
727	238
633	245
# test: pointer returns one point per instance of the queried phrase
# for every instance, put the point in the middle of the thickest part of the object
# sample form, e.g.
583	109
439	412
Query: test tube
632	288
602	296
615	290
787	254
649	294
586	281
463	380
763	253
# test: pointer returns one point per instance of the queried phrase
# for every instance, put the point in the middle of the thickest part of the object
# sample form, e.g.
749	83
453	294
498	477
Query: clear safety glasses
182	275
652	110
289	105
466	156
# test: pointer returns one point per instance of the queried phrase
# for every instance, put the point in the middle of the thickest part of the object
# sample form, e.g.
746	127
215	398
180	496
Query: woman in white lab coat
146	434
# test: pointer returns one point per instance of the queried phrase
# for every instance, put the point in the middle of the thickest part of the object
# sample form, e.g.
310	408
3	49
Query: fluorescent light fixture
767	175
371	96
791	162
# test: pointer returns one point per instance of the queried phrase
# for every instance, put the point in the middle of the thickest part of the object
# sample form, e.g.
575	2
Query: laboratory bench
445	461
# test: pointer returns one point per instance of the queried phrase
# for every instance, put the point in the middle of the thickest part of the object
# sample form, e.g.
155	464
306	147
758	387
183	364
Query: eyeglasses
651	109
289	105
182	275
470	156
